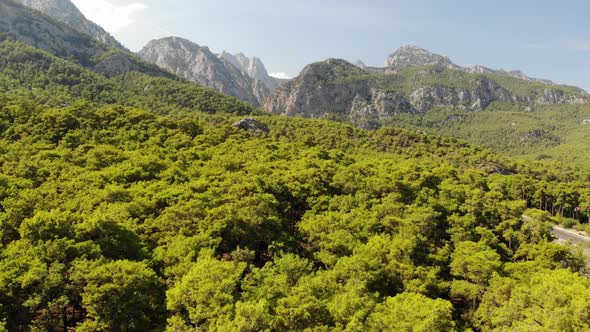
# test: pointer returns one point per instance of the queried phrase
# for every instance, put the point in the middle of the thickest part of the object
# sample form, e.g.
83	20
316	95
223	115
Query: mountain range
237	75
416	88
415	81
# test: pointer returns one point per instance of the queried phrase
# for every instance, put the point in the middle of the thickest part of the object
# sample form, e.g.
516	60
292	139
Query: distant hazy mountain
41	31
199	65
251	66
360	64
415	81
413	56
66	12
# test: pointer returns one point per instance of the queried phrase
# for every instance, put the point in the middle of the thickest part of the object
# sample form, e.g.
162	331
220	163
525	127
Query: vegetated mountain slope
166	215
199	65
41	31
550	132
253	67
66	12
52	81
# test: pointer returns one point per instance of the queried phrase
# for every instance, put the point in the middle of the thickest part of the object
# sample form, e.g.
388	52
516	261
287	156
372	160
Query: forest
133	203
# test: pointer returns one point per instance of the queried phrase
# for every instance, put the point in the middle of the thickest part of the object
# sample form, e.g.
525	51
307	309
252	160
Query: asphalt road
564	235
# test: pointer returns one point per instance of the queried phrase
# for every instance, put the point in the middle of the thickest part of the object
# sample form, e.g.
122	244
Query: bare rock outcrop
201	66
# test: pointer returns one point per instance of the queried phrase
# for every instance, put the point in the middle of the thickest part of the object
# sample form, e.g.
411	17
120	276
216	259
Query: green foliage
141	208
547	300
474	262
207	293
412	312
119	296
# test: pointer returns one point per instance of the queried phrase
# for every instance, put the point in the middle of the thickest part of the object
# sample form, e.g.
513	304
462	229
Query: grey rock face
315	95
411	56
485	91
252	125
66	12
372	111
251	66
199	65
551	97
478	69
42	32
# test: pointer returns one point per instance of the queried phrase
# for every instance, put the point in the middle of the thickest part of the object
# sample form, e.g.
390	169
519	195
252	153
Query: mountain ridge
66	12
199	65
340	90
41	31
414	56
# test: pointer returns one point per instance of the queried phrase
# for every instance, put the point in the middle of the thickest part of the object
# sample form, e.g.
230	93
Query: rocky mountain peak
251	66
199	65
328	70
66	12
411	56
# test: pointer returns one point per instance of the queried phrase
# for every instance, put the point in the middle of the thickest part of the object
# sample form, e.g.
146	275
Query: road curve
563	235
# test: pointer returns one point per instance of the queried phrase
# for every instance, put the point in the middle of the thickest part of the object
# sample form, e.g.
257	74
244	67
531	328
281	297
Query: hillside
66	12
556	132
43	32
136	210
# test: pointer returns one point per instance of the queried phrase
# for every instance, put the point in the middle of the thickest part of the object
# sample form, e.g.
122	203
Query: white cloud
111	17
280	75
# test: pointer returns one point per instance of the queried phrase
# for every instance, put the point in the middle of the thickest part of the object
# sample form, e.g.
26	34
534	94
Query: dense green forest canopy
133	204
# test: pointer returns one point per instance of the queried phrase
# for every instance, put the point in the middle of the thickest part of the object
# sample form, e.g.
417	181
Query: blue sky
547	39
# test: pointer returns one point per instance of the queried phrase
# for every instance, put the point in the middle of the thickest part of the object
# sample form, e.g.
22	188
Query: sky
544	38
